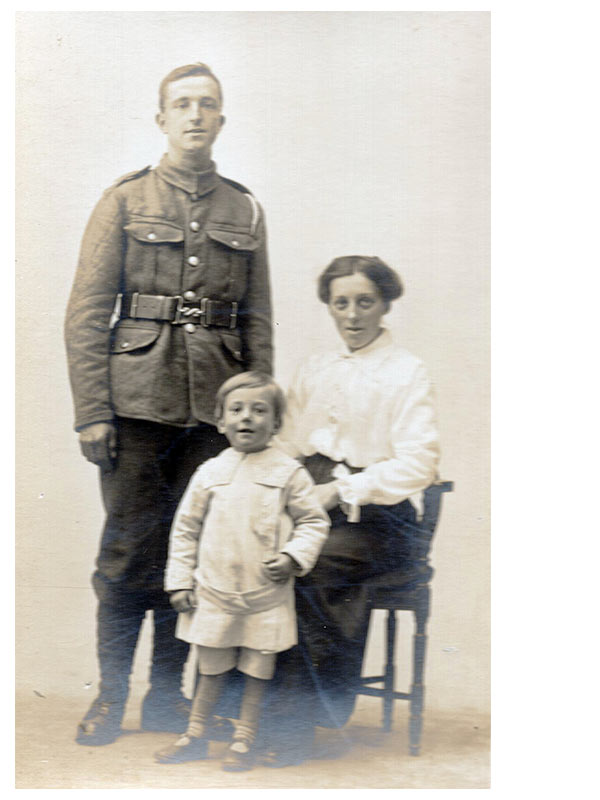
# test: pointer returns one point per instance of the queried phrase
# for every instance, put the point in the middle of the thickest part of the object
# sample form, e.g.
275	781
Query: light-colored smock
371	408
239	510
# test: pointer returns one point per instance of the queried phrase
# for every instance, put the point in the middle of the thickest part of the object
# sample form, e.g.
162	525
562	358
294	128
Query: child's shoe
186	748
239	757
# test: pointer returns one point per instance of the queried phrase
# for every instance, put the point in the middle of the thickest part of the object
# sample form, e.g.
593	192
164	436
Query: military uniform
171	297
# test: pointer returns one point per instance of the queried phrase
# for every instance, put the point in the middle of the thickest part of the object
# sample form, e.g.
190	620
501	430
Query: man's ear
223	118
160	121
276	425
220	426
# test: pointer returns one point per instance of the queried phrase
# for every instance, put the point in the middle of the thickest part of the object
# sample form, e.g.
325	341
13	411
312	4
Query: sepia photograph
253	400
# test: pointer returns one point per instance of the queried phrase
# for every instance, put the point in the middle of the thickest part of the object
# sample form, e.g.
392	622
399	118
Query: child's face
248	419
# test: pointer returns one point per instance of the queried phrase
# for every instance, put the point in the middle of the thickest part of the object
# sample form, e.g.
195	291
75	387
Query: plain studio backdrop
359	133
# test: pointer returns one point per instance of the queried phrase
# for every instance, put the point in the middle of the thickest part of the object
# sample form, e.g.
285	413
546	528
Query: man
170	298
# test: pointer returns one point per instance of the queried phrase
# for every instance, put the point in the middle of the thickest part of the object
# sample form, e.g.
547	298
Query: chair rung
374	679
373	692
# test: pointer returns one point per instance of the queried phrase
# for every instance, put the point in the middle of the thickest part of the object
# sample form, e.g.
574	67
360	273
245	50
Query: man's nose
196	110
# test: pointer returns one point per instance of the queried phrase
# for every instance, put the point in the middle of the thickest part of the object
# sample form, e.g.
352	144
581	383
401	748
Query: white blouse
371	408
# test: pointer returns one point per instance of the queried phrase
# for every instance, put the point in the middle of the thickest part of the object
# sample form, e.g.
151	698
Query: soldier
170	298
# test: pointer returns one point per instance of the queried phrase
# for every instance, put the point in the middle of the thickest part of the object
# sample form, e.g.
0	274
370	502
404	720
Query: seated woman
362	418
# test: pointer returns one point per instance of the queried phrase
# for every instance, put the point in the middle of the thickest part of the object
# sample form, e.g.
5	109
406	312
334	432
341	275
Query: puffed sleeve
289	435
185	535
415	444
311	522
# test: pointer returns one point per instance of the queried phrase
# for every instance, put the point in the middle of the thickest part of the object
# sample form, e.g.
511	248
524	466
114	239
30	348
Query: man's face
191	118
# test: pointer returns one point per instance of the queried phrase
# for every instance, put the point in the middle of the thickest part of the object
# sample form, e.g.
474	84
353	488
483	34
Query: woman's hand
327	495
183	600
279	568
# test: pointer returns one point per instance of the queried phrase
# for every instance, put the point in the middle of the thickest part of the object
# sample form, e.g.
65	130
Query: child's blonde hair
252	380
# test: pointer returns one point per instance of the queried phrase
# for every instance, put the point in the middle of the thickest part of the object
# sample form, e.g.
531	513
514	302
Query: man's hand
327	495
184	600
279	568
98	443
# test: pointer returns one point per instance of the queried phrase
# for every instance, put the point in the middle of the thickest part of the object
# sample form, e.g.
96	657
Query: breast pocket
228	258
152	247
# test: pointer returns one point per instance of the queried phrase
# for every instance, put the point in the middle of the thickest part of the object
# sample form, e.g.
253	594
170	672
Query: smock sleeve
185	535
311	522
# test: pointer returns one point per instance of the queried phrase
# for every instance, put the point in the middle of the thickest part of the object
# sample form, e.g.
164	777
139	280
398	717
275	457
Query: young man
171	297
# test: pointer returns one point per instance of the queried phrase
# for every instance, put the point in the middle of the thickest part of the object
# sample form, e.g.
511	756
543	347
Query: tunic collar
197	183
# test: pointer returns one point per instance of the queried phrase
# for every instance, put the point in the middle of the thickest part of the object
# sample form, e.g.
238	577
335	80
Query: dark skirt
316	682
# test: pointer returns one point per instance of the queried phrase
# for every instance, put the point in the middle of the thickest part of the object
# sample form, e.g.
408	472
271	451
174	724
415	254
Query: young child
247	523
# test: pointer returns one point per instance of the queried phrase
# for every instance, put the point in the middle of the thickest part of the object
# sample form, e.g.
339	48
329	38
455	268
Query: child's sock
207	694
247	725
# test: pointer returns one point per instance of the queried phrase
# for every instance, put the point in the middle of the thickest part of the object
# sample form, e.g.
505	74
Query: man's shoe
186	748
102	723
239	757
165	713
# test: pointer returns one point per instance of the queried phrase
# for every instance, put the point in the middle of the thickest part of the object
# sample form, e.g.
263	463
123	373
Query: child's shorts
215	660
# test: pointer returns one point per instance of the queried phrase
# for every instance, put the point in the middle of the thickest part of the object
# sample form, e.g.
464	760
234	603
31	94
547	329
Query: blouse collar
381	342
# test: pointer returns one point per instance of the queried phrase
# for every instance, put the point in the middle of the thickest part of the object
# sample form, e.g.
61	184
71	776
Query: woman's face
357	308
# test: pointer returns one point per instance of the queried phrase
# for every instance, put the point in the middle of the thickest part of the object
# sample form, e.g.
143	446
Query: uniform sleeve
87	324
311	522
185	535
255	309
415	444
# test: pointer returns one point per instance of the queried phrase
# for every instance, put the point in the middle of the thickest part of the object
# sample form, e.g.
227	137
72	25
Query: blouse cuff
354	489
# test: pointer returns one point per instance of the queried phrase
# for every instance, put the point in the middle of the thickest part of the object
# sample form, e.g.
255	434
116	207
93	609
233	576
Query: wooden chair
407	591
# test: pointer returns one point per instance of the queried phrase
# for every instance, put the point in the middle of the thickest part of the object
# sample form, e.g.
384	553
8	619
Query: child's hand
279	568
183	600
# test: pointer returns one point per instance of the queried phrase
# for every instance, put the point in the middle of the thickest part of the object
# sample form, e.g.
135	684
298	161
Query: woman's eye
366	302
340	303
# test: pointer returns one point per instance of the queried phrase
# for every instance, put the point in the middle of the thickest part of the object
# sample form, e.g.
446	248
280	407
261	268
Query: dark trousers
141	493
315	682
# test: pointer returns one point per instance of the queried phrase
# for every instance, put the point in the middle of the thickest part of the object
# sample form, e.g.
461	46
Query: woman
362	418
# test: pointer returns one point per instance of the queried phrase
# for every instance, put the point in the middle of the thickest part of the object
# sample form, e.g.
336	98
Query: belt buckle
178	310
205	315
233	315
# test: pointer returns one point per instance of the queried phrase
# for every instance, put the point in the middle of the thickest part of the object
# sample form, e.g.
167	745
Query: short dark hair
183	72
252	380
385	278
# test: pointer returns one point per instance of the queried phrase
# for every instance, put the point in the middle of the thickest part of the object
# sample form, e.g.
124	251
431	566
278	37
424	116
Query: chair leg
417	689
390	671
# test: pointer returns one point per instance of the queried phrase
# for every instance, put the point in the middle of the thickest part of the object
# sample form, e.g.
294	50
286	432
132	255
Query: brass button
193	261
189	327
124	344
189	295
195	226
152	236
235	243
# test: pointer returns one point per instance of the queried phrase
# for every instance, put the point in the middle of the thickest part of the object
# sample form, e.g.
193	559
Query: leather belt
177	310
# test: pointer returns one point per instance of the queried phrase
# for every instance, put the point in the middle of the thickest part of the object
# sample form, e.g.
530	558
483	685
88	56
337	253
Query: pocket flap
233	342
236	240
129	336
155	232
